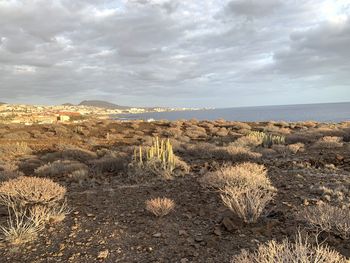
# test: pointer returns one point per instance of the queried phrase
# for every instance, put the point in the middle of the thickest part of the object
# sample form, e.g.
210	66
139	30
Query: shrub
195	132
25	191
247	190
60	167
237	154
200	150
247	202
328	218
247	141
15	149
112	162
241	174
329	142
287	252
160	206
296	147
70	153
20	229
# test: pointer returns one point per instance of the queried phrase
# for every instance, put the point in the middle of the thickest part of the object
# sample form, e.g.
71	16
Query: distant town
40	114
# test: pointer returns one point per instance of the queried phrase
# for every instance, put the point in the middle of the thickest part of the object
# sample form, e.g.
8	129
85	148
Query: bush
20	229
160	206
70	153
60	168
15	149
247	202
329	142
237	154
242	174
245	189
328	218
286	252
25	191
248	141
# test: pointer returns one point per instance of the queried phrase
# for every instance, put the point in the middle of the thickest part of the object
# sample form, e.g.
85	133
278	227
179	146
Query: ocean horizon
322	112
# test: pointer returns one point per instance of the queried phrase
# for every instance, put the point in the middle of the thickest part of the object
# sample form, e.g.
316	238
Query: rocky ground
108	221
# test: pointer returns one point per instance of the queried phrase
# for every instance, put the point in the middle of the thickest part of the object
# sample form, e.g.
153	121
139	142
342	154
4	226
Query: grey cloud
253	8
201	52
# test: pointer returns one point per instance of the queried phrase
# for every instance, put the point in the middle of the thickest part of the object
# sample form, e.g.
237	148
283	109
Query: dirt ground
108	221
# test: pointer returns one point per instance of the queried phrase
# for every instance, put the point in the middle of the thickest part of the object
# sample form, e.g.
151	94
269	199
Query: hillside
102	104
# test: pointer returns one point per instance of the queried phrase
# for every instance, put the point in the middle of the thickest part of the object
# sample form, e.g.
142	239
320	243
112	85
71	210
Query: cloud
253	8
182	53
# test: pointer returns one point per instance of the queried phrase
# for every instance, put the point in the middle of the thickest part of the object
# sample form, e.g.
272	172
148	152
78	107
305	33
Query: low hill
102	104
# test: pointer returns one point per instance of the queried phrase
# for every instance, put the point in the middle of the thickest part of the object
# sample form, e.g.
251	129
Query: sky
178	53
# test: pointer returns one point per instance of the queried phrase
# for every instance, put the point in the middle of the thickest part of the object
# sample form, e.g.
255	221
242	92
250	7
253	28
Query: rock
157	235
184	260
198	238
217	231
103	254
182	233
228	224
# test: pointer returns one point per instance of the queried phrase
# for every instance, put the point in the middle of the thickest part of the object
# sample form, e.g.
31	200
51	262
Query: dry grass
160	206
301	251
329	142
328	218
31	191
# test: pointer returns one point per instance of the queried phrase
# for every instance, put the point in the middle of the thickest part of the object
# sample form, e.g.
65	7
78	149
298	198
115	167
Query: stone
157	235
103	254
228	224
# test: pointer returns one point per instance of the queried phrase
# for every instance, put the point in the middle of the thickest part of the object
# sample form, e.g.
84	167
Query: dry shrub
329	142
195	132
222	132
245	189
172	132
160	206
237	154
328	218
287	252
247	202
60	167
241	126
110	163
20	229
70	153
241	174
247	141
300	138
33	202
296	147
200	150
9	171
26	190
15	149
19	135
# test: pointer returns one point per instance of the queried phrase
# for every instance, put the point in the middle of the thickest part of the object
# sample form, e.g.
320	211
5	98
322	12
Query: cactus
160	151
267	140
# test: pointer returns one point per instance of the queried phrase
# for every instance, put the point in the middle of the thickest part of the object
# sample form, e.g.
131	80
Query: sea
321	112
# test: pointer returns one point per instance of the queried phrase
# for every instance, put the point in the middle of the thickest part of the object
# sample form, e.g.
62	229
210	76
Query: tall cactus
161	151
